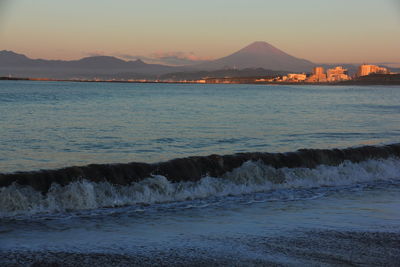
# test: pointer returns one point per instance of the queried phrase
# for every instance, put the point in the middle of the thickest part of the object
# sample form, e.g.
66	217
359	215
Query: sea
71	191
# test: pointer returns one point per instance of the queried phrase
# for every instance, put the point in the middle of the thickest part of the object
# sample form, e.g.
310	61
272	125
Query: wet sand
311	248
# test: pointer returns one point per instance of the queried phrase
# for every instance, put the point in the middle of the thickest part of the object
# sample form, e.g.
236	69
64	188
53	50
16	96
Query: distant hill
260	55
256	59
224	73
253	56
90	67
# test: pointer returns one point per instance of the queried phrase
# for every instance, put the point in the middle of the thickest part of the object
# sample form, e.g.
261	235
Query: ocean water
254	213
57	124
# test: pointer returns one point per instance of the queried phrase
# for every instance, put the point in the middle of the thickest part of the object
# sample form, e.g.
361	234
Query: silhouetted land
13	79
234	73
373	79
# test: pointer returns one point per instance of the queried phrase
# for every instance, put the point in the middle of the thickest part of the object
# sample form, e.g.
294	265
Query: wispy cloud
95	53
178	58
174	58
128	57
133	57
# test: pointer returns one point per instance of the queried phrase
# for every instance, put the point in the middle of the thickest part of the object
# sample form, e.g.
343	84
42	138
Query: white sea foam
250	177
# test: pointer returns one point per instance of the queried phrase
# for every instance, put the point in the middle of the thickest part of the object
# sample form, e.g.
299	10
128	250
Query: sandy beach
311	248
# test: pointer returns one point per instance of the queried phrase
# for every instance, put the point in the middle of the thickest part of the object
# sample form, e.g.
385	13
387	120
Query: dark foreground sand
310	248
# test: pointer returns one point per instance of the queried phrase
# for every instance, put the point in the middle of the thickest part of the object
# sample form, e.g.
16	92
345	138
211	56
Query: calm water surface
58	124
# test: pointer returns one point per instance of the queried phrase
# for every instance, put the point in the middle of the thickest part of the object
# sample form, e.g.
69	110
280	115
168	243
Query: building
318	75
295	77
365	69
337	74
318	71
282	79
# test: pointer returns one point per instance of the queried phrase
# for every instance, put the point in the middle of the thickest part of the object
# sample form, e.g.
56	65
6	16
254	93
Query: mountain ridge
257	55
19	65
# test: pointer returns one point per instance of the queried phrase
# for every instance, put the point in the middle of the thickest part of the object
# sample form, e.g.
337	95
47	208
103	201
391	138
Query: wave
251	177
194	168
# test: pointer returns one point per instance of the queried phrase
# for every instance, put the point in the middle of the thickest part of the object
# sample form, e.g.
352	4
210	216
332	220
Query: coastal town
336	74
366	74
318	75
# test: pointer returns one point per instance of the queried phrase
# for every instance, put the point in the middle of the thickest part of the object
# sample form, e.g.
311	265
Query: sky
323	31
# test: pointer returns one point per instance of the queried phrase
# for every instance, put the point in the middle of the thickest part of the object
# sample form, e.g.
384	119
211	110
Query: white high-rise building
365	69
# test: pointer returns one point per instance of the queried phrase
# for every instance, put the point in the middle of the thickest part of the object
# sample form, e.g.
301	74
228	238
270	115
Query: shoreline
305	247
342	83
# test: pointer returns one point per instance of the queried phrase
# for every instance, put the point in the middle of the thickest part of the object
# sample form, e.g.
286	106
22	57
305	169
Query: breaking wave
250	177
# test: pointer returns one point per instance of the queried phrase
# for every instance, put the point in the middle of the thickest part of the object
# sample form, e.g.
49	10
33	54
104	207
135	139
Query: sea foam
251	177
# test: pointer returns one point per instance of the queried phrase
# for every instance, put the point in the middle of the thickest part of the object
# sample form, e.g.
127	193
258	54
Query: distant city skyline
179	32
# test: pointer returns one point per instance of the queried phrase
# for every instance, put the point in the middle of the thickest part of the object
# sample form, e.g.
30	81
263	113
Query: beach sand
311	248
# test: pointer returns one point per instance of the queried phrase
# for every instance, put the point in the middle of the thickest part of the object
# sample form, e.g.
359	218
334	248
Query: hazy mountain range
88	67
256	56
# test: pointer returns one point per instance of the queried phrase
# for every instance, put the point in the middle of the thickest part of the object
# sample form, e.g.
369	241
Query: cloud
175	58
178	58
179	55
128	57
132	57
95	53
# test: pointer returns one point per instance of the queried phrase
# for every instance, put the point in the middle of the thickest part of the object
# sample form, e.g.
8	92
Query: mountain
254	58
11	58
260	55
19	65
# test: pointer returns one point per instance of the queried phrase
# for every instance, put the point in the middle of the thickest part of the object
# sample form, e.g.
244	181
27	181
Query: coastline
308	247
341	83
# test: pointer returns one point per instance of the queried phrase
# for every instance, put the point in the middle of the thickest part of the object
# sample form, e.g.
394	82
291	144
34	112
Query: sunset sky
322	31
